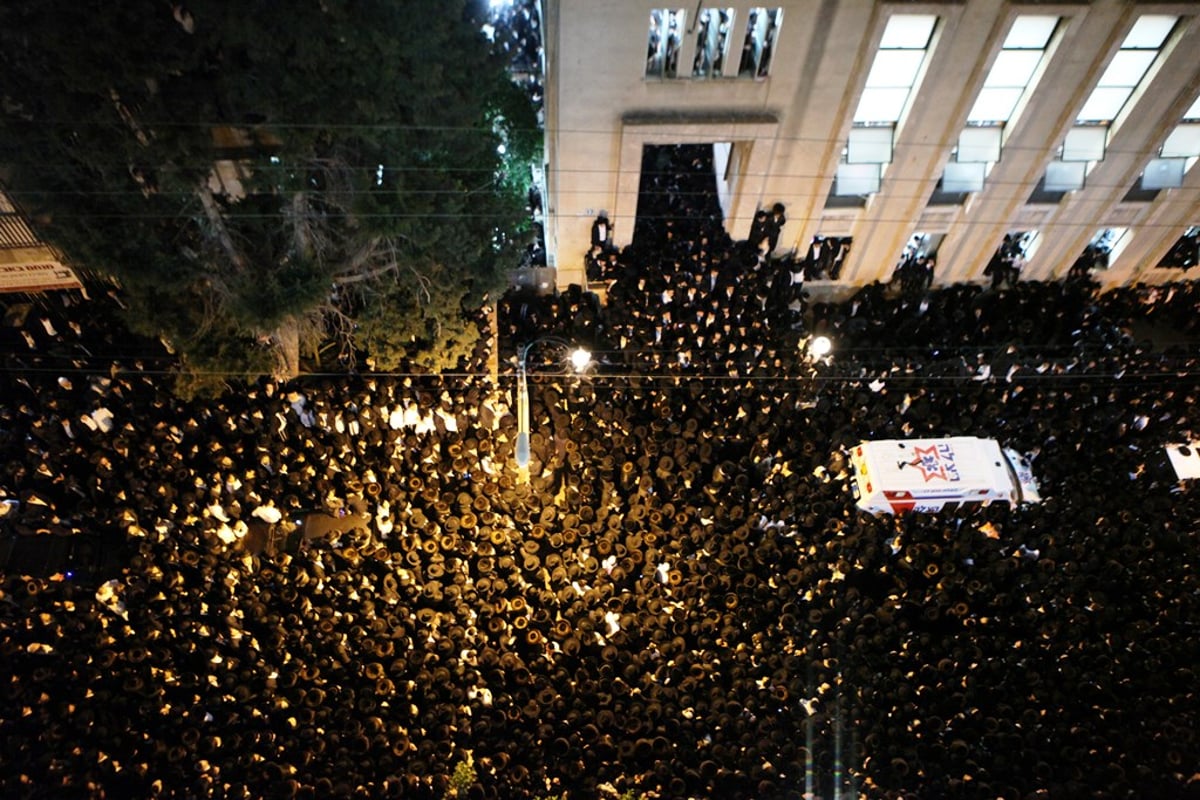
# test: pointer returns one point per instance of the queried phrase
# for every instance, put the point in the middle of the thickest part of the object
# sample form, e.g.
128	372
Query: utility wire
686	130
372	168
819	217
1125	378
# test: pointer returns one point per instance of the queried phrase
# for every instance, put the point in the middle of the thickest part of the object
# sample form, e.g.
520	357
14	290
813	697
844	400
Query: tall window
895	70
1126	70
713	34
762	30
666	36
1012	76
1013	72
1177	155
890	83
1085	144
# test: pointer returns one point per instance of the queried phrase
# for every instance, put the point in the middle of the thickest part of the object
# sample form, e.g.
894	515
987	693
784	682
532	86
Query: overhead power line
686	131
583	216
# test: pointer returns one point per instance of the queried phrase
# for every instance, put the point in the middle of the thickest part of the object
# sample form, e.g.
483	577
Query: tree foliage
262	176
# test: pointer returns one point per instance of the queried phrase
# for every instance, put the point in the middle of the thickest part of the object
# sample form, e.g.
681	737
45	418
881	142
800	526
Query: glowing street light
579	359
820	346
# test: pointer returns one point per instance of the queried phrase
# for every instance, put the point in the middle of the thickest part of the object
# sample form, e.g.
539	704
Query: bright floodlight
820	346
580	359
522	454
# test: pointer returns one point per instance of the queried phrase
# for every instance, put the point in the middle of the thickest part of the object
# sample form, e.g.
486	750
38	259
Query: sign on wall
40	277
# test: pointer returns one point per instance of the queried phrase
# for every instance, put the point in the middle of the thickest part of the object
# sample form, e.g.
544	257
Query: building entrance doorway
680	193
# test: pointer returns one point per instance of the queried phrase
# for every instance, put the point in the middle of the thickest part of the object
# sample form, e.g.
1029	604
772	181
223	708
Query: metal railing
15	232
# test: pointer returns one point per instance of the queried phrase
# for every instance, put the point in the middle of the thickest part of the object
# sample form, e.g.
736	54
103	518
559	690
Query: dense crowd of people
1185	253
681	599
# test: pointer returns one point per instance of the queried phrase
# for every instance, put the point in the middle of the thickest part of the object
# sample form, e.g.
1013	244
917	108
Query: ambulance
892	476
1185	460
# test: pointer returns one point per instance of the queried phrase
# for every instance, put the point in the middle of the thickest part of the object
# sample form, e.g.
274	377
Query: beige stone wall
790	129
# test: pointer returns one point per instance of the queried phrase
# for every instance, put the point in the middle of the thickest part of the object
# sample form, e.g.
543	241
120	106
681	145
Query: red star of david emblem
929	463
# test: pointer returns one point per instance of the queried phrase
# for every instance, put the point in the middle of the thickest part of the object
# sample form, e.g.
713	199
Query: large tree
262	176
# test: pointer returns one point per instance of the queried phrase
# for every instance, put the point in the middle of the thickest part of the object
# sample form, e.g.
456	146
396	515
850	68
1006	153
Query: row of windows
919	256
823	259
896	73
897	70
714	31
854	184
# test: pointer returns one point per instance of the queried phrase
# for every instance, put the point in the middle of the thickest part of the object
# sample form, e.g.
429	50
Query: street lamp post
522	408
579	359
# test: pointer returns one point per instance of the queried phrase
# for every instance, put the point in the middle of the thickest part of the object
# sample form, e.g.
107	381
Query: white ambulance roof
1185	459
929	463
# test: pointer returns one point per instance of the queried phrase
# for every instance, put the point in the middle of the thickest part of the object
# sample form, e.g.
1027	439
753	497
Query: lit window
1149	32
666	36
713	32
1030	32
856	179
1178	154
979	145
895	70
1164	173
961	178
1065	176
1183	142
870	145
994	104
1014	68
1085	144
1127	69
1104	103
1012	76
1193	113
762	31
1013	71
878	105
908	32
